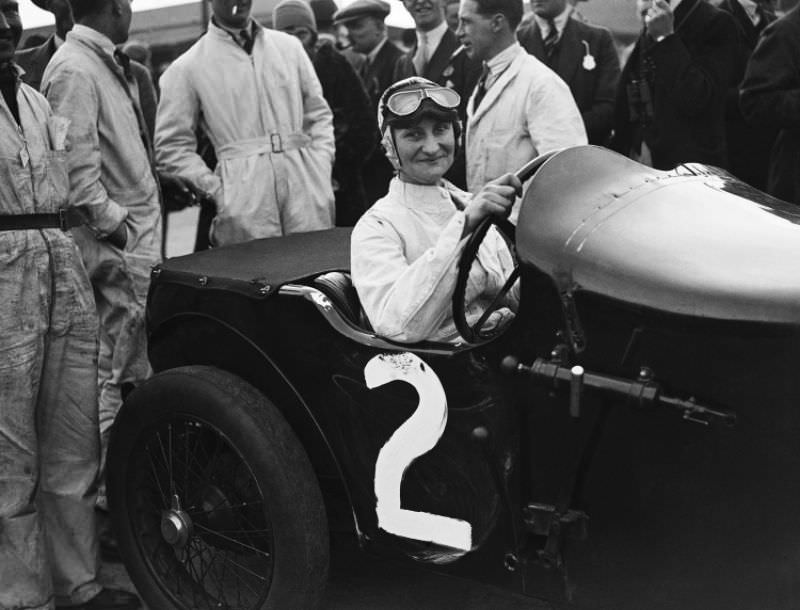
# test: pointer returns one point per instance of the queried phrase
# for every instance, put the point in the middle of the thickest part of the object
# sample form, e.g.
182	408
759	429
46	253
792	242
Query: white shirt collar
421	197
434	36
500	62
79	31
751	8
559	20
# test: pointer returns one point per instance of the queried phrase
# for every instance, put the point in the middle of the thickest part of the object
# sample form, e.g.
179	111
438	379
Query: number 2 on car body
415	437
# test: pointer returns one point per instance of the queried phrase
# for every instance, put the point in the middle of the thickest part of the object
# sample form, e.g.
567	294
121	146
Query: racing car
629	440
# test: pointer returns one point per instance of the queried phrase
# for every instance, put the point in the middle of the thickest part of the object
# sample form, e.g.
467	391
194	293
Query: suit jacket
688	75
749	146
770	97
446	67
377	76
593	83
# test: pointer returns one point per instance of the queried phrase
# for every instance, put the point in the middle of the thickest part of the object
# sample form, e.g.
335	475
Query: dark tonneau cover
258	268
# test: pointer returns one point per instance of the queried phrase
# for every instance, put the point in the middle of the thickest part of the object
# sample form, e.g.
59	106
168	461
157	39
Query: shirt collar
434	36
559	20
374	52
498	64
234	33
751	8
421	197
83	33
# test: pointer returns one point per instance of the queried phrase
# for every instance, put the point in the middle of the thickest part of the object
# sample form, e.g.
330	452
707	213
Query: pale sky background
33	16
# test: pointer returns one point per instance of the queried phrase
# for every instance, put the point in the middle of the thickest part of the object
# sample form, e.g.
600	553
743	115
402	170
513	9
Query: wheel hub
176	525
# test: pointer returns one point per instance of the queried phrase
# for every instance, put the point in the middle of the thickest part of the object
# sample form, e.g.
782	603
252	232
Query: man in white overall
255	93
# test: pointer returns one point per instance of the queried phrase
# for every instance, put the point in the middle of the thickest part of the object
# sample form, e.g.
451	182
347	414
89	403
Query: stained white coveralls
270	126
48	376
403	254
112	177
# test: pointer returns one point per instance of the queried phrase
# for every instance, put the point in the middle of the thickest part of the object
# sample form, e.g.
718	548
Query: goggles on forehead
404	103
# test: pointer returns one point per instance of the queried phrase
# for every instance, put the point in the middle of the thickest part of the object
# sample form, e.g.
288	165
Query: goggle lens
404	103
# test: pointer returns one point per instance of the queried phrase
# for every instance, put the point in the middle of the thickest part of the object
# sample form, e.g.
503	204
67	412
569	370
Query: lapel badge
448	71
589	63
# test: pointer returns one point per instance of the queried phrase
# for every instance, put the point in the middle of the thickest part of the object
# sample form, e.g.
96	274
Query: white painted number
415	437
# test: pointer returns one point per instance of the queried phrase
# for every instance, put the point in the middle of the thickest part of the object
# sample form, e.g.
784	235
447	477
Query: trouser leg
24	572
70	452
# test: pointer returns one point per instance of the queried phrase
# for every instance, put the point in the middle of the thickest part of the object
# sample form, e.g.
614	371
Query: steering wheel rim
471	334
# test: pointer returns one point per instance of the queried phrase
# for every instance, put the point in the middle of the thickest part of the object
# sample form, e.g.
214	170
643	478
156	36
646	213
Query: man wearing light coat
520	107
255	93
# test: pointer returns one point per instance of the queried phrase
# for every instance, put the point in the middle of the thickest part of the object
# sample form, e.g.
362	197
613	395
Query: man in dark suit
748	145
582	55
671	97
367	32
438	56
770	98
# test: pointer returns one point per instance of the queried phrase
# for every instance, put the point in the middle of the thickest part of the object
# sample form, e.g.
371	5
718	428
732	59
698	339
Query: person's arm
770	92
176	126
317	115
694	81
72	94
404	301
599	118
410	301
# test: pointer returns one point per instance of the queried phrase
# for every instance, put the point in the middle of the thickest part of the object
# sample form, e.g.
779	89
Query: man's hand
119	236
178	193
659	20
495	199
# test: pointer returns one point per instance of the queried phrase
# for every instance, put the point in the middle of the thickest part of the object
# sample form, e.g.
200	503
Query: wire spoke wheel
210	491
205	528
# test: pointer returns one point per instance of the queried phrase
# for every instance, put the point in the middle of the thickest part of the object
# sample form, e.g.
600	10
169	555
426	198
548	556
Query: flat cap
362	8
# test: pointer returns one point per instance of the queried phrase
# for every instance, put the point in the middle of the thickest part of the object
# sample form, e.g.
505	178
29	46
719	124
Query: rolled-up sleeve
72	94
405	301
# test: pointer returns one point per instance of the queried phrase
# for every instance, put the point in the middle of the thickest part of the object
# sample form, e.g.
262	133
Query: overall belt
64	219
275	143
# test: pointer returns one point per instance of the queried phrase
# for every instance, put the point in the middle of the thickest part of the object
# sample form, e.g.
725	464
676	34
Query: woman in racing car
405	248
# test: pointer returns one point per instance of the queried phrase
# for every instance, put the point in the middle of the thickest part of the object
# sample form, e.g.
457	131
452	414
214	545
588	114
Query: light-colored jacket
528	111
270	127
404	256
110	167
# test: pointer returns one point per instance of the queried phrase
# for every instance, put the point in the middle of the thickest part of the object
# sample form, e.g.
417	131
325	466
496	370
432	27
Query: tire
213	499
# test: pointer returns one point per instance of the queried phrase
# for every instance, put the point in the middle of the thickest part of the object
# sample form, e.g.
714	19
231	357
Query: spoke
155	476
219	506
233	540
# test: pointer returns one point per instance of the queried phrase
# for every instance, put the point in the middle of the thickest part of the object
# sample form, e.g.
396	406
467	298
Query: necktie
551	40
246	40
421	57
480	90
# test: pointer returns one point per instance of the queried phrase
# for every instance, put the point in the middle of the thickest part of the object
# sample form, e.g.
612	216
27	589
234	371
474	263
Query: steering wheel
472	334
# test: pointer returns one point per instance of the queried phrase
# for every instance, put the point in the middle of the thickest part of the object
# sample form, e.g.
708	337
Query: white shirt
404	254
751	8
433	37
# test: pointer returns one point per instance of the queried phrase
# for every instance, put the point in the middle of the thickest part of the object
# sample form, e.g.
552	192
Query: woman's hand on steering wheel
495	199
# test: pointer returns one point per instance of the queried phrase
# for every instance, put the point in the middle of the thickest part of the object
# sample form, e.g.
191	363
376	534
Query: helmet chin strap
390	147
